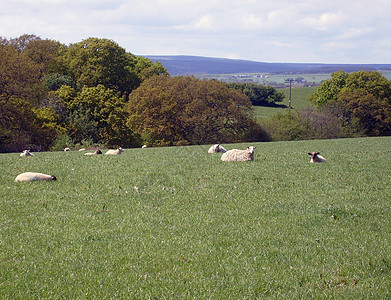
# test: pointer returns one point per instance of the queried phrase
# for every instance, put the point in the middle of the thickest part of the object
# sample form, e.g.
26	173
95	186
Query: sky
302	31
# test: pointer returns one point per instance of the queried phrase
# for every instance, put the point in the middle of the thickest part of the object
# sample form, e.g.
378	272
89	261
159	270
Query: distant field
178	223
299	101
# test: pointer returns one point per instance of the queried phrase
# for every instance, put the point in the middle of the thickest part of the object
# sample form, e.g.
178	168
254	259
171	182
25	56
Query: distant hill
193	65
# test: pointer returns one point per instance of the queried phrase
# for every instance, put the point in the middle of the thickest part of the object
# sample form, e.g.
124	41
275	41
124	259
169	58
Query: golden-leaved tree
185	110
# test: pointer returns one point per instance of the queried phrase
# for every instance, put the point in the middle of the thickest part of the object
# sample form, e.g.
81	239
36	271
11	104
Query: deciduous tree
186	110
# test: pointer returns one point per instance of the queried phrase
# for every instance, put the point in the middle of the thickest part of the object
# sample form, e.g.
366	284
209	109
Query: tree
367	112
19	76
365	97
258	93
98	113
101	61
186	110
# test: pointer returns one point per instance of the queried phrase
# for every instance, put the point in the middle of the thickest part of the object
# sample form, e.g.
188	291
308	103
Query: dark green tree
259	94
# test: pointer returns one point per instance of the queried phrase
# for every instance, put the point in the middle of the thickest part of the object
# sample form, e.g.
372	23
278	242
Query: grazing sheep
216	149
94	153
26	153
144	146
239	155
114	152
31	176
82	149
67	149
316	158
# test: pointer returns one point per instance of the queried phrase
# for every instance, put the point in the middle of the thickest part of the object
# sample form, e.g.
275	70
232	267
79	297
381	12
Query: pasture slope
179	223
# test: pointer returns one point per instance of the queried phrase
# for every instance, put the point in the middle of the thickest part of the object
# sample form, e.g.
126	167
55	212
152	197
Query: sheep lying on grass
239	155
26	153
144	146
114	152
67	149
217	149
82	149
31	176
94	153
316	158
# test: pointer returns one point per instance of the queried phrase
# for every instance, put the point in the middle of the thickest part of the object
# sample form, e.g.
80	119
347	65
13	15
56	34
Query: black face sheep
97	152
67	149
239	155
26	153
31	176
316	158
217	148
114	152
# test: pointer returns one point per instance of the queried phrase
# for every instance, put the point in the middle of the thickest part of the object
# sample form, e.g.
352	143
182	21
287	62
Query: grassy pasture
299	101
179	223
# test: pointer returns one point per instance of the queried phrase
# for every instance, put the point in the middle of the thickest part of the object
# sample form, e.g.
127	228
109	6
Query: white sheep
239	155
316	158
31	176
82	149
216	149
26	153
114	152
144	146
93	153
67	149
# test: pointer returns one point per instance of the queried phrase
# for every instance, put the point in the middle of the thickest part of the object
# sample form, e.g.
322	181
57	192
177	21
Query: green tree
364	96
258	93
98	113
186	110
101	61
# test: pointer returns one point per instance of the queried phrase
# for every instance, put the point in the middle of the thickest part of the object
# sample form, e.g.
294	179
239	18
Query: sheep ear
317	153
309	153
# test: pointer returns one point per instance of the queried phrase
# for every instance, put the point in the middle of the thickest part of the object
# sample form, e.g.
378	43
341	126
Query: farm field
299	101
179	223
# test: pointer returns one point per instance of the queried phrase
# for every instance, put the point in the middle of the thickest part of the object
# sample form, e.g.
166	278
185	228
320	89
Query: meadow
178	223
298	101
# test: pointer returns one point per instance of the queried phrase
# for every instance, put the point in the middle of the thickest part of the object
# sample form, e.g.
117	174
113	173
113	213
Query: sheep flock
233	155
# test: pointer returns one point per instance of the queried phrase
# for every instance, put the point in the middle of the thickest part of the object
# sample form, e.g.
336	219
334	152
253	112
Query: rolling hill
193	65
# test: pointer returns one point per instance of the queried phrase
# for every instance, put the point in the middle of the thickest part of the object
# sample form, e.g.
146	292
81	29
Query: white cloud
262	30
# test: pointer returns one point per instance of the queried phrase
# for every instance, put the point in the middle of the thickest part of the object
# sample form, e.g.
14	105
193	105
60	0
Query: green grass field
178	223
298	101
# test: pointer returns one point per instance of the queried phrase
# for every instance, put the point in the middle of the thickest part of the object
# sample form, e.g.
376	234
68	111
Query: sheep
316	158
82	149
144	146
239	155
26	153
216	149
67	149
31	176
94	153
114	152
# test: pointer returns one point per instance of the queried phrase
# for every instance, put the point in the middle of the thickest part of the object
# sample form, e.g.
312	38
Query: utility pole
289	80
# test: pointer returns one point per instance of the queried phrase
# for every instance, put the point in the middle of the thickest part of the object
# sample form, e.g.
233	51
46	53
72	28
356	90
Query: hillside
193	65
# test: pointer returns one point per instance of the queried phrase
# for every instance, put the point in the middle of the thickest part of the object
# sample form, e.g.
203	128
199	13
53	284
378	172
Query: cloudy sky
320	31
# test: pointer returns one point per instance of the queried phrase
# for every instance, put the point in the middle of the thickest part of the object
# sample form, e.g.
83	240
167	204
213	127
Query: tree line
95	92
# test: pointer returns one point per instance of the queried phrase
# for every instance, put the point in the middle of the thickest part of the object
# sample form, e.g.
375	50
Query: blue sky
319	31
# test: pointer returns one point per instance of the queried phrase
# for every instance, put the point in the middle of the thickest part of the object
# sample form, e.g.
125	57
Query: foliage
21	128
186	110
19	76
258	93
367	112
56	80
97	113
366	97
101	61
328	122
